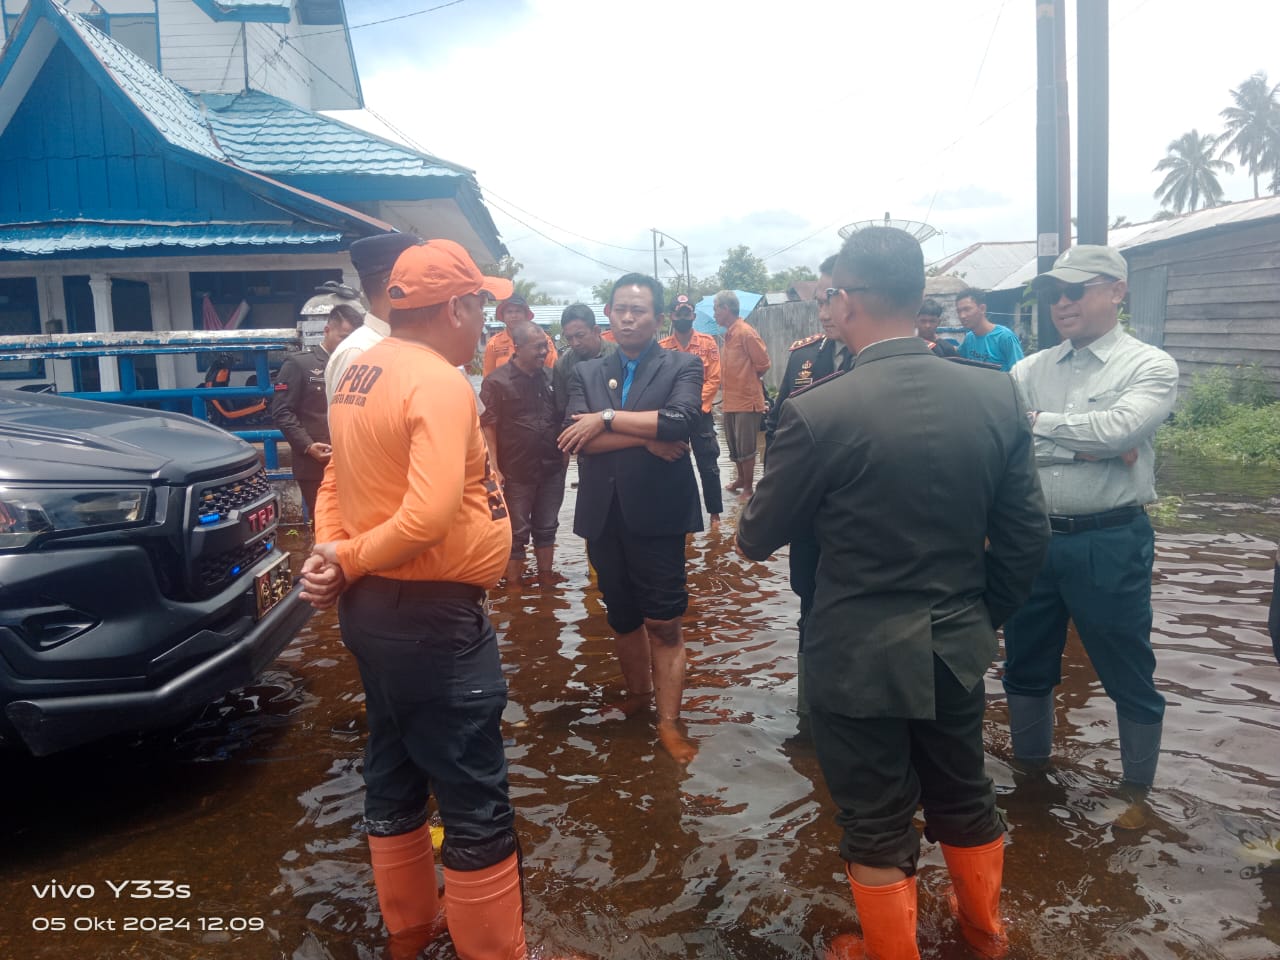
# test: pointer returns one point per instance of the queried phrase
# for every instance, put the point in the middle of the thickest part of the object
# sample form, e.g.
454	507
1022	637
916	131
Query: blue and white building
155	153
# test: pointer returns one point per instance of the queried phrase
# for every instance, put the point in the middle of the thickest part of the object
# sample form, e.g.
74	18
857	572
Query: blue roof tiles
171	110
274	137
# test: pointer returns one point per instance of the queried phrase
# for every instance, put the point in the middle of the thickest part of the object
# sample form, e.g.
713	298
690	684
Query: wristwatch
606	415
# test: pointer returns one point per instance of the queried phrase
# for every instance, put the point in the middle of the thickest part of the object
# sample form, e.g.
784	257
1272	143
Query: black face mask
683	324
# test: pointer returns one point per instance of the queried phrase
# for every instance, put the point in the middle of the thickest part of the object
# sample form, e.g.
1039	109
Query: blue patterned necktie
630	374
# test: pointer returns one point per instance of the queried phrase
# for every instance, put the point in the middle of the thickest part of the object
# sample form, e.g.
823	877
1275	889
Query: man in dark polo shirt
521	426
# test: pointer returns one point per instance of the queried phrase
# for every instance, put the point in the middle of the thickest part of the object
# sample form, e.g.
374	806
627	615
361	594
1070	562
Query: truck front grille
215	572
221	499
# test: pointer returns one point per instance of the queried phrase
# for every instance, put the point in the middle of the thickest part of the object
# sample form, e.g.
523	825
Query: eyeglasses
1073	291
832	291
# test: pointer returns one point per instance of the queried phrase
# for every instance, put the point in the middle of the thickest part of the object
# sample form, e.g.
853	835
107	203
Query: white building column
52	302
158	286
182	317
103	322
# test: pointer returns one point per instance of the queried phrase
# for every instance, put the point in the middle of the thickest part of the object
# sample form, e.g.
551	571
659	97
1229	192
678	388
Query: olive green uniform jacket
932	525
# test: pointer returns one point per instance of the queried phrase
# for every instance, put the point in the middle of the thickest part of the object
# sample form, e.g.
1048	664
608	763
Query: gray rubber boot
1031	727
1139	750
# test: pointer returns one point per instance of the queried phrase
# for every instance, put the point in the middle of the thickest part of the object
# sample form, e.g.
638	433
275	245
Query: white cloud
749	122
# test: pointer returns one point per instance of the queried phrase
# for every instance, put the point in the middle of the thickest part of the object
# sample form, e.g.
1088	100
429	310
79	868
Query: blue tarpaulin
704	319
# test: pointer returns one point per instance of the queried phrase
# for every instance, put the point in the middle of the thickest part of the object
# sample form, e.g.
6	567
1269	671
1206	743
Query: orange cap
436	271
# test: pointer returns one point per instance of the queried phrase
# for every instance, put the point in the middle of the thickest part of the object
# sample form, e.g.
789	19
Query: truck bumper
47	725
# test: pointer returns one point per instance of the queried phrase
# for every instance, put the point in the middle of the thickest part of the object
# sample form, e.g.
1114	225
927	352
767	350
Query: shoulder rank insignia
806	341
817	383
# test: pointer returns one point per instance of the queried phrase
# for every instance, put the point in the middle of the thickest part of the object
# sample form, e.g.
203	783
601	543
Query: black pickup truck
140	576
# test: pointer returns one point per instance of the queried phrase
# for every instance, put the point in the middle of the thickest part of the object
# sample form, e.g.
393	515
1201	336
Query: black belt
425	589
1094	521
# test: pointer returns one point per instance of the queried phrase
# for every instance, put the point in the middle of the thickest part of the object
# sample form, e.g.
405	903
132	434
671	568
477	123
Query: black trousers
706	454
880	769
803	568
434	696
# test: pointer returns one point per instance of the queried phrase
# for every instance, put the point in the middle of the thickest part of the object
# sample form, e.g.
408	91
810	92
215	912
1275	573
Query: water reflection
628	855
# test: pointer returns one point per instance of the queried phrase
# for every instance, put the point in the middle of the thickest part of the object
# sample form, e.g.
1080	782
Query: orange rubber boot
404	873
888	917
976	873
485	911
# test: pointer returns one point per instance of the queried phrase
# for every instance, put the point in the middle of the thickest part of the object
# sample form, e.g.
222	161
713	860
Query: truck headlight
29	512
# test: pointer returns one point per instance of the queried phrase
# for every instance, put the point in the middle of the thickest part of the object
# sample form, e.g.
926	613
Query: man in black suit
932	527
629	417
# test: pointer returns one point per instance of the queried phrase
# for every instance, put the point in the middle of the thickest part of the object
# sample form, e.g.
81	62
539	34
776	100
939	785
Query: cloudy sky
722	122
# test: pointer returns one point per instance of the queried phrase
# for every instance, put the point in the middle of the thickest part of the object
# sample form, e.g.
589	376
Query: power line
580	236
972	90
611	266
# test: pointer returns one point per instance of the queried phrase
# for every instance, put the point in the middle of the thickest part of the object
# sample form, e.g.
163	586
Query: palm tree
1192	180
1253	126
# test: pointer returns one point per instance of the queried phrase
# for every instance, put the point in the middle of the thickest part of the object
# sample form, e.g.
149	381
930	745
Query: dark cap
681	303
515	300
374	255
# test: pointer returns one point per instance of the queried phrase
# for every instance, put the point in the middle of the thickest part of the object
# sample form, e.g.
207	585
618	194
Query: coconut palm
1192	180
1253	126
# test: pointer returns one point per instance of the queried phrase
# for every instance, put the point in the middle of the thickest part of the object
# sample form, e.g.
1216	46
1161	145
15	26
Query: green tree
1253	126
509	267
1192	178
600	292
743	270
783	279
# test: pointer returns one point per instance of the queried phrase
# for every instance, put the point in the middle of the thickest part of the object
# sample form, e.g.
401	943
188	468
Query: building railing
127	346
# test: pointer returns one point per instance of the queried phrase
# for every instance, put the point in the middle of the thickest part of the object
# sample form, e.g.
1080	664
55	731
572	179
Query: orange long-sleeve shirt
705	349
500	348
743	359
409	490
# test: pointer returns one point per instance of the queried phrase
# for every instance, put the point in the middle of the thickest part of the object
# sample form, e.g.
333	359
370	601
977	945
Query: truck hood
50	438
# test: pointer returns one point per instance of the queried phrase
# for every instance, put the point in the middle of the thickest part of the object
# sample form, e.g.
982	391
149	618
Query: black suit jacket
656	497
933	524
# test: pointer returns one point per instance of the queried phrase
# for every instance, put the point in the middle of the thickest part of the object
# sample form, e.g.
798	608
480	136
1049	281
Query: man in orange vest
411	529
500	346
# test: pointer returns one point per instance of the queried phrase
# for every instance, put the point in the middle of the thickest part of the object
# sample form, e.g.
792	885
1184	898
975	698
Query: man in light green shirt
1095	401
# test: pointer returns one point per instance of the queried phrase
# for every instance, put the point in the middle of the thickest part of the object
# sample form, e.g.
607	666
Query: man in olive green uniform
912	466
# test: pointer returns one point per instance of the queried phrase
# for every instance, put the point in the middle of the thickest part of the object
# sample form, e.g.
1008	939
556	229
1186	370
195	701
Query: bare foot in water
627	706
676	742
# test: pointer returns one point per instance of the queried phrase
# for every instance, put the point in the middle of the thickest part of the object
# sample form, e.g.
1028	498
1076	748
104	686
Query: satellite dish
921	231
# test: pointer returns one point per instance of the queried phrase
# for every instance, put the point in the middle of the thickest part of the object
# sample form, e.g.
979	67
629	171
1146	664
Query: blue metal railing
127	346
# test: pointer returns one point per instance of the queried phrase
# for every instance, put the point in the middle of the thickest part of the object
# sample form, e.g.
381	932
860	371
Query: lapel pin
613	384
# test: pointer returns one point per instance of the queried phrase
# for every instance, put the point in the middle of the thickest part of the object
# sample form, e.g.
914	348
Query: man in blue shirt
985	341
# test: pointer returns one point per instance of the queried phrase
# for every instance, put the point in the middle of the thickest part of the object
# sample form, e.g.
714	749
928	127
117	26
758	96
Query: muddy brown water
253	809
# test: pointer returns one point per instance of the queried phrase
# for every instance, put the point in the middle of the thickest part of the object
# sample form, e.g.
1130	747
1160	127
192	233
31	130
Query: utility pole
1053	158
1092	83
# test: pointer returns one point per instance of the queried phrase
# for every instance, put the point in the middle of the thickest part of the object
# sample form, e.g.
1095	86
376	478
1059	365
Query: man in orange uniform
500	346
744	360
411	529
706	449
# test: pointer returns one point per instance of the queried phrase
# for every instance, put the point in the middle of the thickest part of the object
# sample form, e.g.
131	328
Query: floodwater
254	808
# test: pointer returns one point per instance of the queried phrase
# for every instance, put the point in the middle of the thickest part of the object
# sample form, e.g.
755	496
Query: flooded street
255	807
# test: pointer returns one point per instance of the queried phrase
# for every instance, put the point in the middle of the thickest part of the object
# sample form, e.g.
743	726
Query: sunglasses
832	291
1073	291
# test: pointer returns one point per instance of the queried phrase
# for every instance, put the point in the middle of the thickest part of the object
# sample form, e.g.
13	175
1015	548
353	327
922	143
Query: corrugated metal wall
780	326
1222	298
